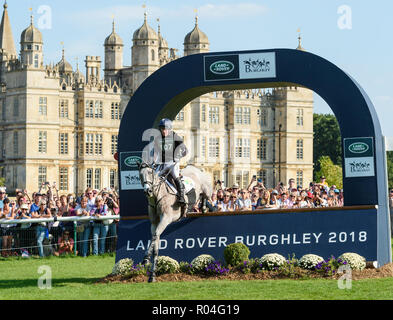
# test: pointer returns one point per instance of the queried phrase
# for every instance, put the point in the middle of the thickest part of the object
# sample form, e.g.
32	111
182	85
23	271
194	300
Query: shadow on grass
26	283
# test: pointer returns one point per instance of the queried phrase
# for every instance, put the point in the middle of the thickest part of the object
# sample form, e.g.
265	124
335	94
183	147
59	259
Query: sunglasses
226	196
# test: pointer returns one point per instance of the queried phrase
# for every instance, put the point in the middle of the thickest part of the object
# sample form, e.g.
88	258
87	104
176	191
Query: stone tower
113	56
145	59
196	41
31	52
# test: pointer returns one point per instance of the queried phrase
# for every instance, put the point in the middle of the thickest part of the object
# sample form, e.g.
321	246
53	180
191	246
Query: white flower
201	262
167	265
122	267
272	260
355	261
309	261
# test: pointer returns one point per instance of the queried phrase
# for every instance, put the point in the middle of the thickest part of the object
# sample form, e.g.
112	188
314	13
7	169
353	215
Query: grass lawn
74	277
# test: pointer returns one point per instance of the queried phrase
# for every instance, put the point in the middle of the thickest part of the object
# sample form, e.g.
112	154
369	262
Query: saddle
189	190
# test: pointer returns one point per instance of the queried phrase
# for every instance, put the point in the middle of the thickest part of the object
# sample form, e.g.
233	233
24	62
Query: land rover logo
222	67
132	161
358	147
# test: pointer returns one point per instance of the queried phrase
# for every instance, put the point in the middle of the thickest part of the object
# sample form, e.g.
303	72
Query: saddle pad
189	184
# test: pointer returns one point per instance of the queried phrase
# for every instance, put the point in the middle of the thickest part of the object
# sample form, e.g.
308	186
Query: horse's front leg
154	224
155	242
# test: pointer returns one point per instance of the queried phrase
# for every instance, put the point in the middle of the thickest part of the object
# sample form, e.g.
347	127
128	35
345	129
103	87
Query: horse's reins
154	187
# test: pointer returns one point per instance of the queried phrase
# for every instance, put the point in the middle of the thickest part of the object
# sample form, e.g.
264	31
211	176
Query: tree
327	139
389	160
332	172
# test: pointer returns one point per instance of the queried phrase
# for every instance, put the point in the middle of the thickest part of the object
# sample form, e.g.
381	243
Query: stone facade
60	125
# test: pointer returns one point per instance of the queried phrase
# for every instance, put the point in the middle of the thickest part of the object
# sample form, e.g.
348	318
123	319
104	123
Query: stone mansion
59	124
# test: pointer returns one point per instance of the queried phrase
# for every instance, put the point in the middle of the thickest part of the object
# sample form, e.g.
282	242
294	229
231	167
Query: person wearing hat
235	189
322	181
169	148
41	229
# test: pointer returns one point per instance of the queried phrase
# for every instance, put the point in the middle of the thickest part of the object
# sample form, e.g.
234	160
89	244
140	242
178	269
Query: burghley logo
362	166
222	67
358	147
133	161
256	65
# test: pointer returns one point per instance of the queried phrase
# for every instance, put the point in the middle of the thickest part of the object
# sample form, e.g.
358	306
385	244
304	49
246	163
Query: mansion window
94	109
42	142
214	147
242	115
112	178
299	117
93	144
41	176
114	144
299	149
63	108
262	174
242	148
262	117
214	115
242	178
16	143
180	116
203	147
63	144
36	62
115	111
299	178
98	145
42	109
261	149
89	178
63	178
203	113
97	179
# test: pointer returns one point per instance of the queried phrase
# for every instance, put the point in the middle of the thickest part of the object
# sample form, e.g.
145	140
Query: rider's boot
180	191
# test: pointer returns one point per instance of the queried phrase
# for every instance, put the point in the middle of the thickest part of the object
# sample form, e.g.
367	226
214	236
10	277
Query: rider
170	149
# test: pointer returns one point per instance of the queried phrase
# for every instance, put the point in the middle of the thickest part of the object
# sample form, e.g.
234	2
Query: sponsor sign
359	157
324	233
129	172
241	66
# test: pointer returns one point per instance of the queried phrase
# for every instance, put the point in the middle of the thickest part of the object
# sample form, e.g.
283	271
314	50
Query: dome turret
113	39
145	32
31	34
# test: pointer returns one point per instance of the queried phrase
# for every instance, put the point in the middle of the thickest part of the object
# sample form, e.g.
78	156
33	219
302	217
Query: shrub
185	267
272	260
330	266
250	266
216	268
122	267
309	261
355	261
236	253
167	265
201	262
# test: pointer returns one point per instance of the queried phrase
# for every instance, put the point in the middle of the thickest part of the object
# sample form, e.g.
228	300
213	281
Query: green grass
74	278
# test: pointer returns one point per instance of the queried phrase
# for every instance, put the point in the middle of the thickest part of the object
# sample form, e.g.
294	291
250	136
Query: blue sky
364	50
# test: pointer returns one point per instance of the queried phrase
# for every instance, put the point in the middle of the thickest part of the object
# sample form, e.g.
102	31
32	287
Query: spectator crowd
257	197
95	236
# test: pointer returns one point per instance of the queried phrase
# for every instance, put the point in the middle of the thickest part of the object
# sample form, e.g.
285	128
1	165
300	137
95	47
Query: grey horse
163	207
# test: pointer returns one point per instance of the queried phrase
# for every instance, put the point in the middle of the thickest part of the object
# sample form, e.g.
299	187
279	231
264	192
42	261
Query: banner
324	233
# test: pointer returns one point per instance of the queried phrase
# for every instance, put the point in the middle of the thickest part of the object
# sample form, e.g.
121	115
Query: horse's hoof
145	261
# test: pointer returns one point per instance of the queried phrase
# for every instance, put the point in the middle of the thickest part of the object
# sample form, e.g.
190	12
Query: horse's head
147	176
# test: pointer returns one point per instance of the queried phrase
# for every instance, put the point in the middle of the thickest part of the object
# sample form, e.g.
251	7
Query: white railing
54	219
